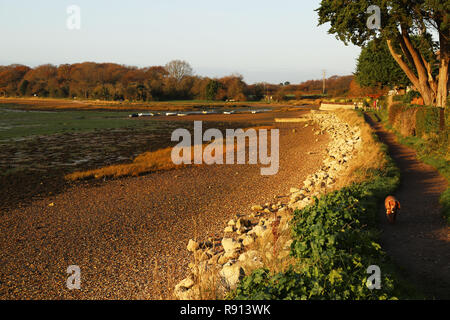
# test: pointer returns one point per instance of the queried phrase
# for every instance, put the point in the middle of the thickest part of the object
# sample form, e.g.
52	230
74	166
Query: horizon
290	47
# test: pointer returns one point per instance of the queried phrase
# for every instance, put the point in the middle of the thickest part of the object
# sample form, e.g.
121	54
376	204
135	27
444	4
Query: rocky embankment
262	238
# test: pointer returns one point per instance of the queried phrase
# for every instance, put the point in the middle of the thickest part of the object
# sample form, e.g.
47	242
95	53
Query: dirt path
420	241
129	235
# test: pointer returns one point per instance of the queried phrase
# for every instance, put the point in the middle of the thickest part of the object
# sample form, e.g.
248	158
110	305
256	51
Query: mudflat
129	235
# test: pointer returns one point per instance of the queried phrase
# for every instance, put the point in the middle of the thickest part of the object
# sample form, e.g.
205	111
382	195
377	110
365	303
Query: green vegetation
335	241
376	67
19	124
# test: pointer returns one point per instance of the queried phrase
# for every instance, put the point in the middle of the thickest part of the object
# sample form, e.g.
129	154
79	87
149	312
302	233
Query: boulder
185	290
294	190
258	230
248	240
229	229
230	245
192	246
257	208
232	274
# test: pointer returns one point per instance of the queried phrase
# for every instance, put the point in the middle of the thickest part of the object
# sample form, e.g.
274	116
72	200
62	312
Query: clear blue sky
273	41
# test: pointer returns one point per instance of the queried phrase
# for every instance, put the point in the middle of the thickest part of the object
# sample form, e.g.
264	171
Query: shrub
394	112
427	121
398	98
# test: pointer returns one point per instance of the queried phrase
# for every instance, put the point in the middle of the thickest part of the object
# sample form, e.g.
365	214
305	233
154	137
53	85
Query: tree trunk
442	91
433	92
421	82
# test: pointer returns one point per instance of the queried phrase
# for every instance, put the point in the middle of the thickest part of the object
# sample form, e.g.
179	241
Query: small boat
182	114
205	112
168	114
228	112
134	115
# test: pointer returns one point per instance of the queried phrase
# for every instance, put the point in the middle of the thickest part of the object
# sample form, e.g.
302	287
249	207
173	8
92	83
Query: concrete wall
330	106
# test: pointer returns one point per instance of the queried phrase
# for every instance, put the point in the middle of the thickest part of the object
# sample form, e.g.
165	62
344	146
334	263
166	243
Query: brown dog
392	208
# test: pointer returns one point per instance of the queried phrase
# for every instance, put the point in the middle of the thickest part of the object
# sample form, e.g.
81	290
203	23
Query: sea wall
332	106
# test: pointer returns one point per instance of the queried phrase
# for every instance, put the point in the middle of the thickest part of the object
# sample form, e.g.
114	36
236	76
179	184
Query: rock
251	260
232	274
192	246
230	245
248	240
297	196
258	230
186	283
294	190
185	290
229	229
257	208
249	255
188	295
242	231
243	223
308	183
223	259
231	255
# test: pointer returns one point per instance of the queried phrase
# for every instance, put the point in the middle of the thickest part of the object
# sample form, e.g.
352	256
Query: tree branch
418	62
398	58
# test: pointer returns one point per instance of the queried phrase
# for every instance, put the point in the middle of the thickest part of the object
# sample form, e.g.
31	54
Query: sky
265	41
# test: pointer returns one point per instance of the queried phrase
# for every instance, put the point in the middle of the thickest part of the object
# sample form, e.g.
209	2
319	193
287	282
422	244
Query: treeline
334	86
175	81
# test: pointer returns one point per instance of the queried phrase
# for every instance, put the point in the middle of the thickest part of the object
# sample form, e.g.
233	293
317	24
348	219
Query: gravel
129	235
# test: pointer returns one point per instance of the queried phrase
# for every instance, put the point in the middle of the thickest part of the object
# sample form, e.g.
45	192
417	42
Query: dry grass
367	158
274	245
147	162
144	163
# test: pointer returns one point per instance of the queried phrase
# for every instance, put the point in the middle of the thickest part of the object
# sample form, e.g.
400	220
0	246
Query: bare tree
179	69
